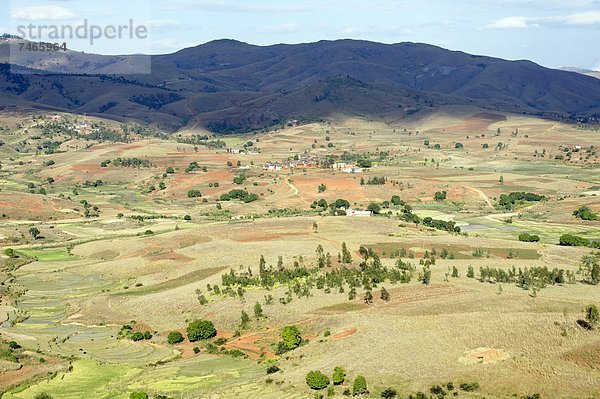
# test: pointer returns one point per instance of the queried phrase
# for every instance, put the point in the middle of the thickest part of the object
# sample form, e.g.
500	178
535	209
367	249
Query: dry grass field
102	246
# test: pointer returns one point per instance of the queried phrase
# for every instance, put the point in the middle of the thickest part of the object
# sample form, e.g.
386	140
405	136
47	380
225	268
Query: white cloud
371	29
162	23
284	28
232	6
588	18
43	13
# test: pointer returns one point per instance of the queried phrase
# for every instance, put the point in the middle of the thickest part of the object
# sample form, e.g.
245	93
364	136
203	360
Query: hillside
232	86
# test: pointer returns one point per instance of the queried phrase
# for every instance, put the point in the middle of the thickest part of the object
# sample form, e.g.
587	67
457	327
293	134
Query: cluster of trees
301	279
156	101
511	200
194	166
585	213
438	224
374	181
318	381
534	277
128	332
202	140
570	240
127	163
239	194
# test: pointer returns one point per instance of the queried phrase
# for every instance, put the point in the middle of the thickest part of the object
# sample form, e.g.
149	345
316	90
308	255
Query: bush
360	386
187	218
194	194
339	375
317	380
570	240
138	395
585	213
200	330
291	339
174	337
469	386
273	369
525	237
389	393
43	395
592	315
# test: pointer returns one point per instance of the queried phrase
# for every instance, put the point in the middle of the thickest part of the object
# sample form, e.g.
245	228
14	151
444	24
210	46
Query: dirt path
296	191
482	195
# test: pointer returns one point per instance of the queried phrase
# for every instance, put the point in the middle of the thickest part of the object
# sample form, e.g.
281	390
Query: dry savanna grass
136	259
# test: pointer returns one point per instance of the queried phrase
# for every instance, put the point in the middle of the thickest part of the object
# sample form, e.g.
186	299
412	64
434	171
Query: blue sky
550	32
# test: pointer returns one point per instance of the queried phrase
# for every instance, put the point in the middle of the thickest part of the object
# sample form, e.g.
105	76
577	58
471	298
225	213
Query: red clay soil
345	334
486	356
477	123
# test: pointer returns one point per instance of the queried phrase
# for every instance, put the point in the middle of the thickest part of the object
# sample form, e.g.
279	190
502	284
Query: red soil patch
345	334
477	123
486	356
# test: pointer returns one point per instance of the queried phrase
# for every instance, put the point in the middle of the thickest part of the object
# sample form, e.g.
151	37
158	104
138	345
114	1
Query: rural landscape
334	219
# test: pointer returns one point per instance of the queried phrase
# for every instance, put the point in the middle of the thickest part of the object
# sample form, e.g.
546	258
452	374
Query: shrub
317	380
187	218
585	213
570	240
339	375
174	337
389	393
138	395
360	386
290	339
525	237
43	395
273	369
200	330
469	386
194	194
592	315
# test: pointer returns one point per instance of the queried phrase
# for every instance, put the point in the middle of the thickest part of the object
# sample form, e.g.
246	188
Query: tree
374	207
258	311
590	269
170	170
454	272
138	395
290	338
592	315
187	218
585	213
360	386
10	253
339	375
346	256
570	240
245	319
459	146
440	196
396	200
174	337
470	272
194	194
201	330
385	295
426	277
34	232
317	380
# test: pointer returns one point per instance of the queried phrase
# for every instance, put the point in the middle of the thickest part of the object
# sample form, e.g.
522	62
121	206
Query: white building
358	213
352	170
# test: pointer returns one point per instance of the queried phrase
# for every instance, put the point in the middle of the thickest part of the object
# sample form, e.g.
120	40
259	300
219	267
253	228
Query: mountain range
230	86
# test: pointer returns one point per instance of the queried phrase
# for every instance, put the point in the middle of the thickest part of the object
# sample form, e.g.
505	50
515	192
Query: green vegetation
239	194
359	387
174	337
339	375
511	200
585	213
201	330
526	237
290	339
317	380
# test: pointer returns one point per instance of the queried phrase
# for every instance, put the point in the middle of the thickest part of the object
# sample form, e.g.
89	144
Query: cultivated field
149	239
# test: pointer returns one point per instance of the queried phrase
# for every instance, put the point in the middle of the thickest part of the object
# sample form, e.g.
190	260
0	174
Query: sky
552	33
